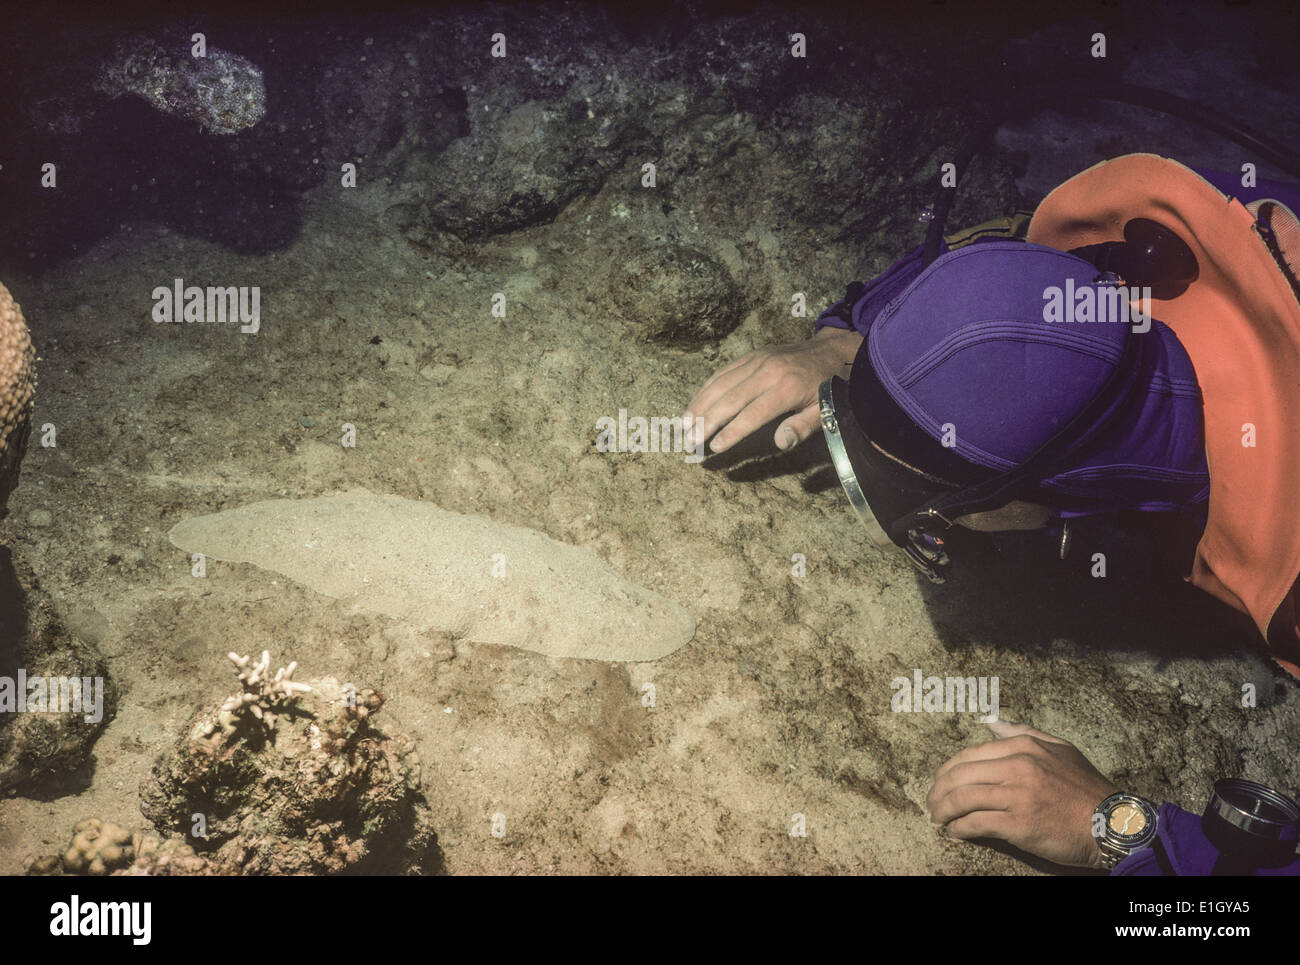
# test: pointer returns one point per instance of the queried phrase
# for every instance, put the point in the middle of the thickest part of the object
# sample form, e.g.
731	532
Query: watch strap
1114	845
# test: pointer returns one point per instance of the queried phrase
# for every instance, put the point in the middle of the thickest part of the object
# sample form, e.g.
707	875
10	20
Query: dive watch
1124	824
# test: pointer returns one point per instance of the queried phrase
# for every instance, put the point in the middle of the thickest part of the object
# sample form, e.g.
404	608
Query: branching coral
262	698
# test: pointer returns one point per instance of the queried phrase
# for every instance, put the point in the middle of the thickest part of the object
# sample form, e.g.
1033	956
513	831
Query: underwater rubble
283	778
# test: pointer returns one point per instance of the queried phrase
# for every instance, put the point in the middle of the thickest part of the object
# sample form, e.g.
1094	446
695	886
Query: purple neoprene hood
976	353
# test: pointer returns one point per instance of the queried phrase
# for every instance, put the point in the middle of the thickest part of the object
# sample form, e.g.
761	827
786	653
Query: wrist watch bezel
1115	847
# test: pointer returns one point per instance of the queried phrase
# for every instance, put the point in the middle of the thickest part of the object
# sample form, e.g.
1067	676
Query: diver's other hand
1030	789
770	382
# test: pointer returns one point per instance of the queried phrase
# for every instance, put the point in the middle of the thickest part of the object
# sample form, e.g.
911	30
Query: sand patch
478	579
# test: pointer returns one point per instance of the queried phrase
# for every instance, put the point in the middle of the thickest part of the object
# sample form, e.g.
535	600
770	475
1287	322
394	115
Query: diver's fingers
982	824
705	405
729	374
745	360
763	404
970	773
1004	728
990	750
970	798
718	412
798	427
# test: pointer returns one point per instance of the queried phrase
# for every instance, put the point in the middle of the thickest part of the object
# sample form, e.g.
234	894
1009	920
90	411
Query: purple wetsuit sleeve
1186	851
874	296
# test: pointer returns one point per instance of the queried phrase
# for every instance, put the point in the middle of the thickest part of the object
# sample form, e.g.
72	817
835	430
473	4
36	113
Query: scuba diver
1133	346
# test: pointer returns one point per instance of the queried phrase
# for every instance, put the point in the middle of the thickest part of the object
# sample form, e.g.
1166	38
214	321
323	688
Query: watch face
1127	821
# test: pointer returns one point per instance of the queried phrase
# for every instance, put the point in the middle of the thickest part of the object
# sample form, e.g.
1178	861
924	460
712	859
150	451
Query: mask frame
904	506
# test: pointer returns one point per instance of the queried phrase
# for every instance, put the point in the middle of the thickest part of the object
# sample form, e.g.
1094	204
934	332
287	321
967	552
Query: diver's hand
1030	789
773	381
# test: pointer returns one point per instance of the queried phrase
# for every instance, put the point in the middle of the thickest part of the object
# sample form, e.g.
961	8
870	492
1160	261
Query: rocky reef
281	778
56	694
220	90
